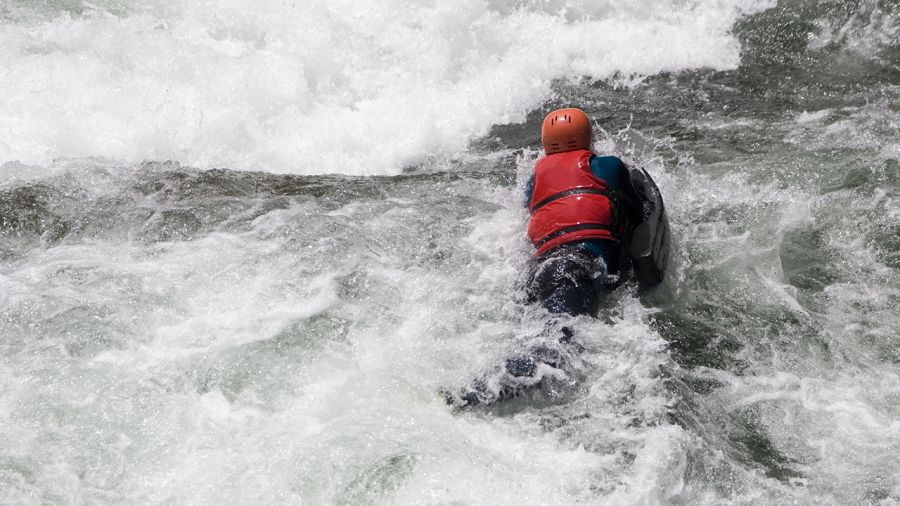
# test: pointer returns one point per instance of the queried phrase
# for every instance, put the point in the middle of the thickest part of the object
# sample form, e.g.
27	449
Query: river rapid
243	250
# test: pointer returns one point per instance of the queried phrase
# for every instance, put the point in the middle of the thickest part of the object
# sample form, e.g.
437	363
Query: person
595	224
582	209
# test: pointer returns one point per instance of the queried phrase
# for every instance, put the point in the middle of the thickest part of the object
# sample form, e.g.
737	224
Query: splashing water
279	331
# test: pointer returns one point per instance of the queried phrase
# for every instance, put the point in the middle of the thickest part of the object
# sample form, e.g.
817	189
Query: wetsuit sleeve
609	169
614	171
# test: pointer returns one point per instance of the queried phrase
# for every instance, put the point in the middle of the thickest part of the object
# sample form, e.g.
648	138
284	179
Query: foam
378	86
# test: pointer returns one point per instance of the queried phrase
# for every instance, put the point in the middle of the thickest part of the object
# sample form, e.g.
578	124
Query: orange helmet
566	130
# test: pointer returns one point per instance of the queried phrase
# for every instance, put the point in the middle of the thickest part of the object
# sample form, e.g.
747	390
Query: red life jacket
569	202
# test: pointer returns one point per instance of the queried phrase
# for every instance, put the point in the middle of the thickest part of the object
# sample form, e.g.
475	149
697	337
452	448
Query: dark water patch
172	183
736	433
750	435
805	261
886	240
515	135
855	177
163	202
696	340
34	214
778	56
777	39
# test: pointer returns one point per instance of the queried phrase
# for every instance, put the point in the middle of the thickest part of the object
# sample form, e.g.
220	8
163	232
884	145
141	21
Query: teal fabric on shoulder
608	169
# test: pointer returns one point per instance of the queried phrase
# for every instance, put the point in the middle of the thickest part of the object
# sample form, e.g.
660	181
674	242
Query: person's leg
564	281
573	294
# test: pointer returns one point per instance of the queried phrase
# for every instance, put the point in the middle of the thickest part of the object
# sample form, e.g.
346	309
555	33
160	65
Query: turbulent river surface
245	246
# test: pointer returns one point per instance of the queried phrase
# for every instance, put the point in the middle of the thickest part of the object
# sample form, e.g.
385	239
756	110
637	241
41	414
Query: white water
282	359
312	87
162	342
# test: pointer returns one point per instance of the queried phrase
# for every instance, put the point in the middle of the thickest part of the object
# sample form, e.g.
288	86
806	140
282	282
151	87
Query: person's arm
614	171
609	169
